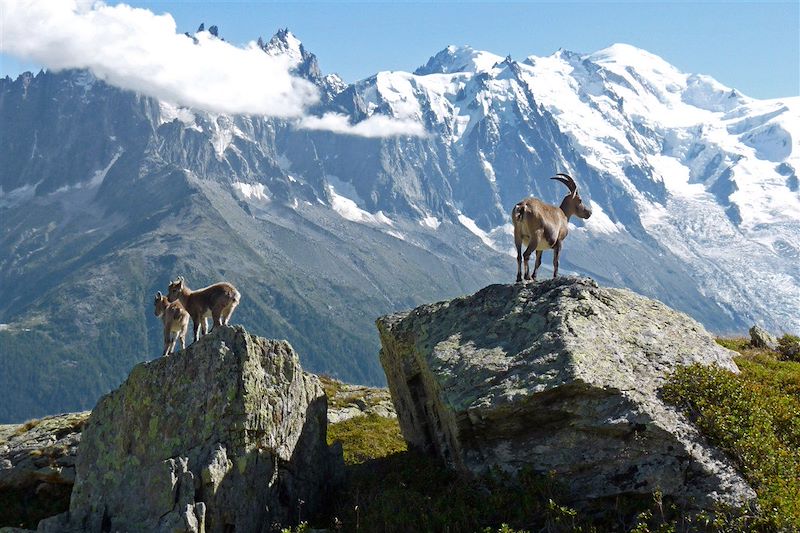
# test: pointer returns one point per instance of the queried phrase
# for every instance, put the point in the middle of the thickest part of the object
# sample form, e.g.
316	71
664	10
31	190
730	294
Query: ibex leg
196	327
167	343
556	253
538	263
526	255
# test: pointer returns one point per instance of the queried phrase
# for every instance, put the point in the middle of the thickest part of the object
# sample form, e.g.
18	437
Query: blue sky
752	46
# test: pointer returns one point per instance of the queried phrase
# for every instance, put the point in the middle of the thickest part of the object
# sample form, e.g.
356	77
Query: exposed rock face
560	376
37	467
346	401
40	450
227	435
761	338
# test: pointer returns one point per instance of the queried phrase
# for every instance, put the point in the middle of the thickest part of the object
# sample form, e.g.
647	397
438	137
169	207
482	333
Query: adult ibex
218	301
542	226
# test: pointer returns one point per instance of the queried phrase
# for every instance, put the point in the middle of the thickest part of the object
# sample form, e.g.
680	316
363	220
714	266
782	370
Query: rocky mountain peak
285	42
459	59
304	63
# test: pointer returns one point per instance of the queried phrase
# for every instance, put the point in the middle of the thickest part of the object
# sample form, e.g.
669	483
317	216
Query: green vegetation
367	437
755	417
789	347
410	491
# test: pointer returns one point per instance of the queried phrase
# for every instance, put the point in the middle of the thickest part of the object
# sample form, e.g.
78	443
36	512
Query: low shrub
789	347
754	416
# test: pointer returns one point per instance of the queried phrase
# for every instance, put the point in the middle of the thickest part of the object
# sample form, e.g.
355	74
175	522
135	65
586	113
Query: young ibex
176	322
218	300
542	226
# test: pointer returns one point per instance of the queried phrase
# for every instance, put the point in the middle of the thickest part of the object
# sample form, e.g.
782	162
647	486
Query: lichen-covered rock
560	376
346	401
761	338
228	435
40	451
37	467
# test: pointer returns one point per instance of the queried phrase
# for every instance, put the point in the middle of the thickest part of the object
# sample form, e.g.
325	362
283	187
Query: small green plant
789	347
302	527
743	346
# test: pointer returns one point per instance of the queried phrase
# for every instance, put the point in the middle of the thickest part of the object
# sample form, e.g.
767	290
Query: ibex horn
567	180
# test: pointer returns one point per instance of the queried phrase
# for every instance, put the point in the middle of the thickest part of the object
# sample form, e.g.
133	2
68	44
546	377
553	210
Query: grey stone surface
349	401
761	338
560	376
37	467
40	452
229	434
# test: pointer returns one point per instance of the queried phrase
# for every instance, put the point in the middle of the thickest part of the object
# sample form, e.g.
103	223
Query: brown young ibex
218	300
176	322
542	226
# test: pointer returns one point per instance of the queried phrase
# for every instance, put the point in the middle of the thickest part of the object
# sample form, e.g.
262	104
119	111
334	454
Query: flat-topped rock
559	376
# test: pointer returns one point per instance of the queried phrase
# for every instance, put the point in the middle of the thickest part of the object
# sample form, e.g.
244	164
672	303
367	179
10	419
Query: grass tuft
367	437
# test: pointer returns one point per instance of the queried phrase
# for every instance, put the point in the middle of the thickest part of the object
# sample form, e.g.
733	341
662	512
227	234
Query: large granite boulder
560	376
228	435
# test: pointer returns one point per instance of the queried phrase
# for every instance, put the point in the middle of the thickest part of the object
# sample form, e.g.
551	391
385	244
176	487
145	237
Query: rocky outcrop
37	467
761	338
559	376
229	434
346	401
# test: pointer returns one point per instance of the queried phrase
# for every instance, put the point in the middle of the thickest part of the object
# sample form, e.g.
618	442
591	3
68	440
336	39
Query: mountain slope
106	195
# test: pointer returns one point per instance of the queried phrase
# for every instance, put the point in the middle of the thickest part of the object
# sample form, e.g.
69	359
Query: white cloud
136	49
374	126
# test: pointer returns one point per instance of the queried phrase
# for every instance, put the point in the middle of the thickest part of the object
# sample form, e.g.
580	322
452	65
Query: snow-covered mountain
702	174
106	194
